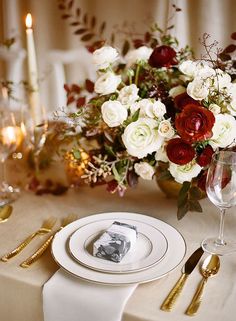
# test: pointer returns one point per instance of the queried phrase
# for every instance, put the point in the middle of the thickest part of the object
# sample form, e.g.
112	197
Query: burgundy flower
179	152
194	123
184	99
162	56
204	158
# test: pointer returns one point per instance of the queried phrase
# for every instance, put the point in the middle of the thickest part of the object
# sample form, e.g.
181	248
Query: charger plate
150	247
174	255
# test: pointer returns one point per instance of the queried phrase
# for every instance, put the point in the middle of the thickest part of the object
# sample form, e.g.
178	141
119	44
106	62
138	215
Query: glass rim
223	152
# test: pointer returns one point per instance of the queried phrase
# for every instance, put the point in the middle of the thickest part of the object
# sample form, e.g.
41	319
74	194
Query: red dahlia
194	123
184	99
179	152
204	158
162	56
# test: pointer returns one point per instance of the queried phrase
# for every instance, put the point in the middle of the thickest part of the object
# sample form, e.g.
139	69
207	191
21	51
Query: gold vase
169	187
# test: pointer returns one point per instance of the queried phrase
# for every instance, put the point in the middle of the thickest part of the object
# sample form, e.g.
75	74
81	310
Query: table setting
119	206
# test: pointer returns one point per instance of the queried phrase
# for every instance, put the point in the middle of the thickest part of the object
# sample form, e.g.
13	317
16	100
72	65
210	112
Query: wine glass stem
4	173
220	240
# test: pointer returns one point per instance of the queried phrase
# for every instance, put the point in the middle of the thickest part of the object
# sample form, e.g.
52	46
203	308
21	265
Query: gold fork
45	228
34	257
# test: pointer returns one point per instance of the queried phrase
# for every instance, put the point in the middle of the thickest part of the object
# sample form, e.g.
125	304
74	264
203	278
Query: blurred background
61	55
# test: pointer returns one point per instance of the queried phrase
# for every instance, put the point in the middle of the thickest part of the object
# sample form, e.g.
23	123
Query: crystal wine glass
221	190
36	135
10	138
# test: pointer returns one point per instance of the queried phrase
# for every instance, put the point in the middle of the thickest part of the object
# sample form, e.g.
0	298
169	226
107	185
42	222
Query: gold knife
189	266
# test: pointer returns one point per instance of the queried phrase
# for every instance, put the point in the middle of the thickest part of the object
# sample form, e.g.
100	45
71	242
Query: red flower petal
179	152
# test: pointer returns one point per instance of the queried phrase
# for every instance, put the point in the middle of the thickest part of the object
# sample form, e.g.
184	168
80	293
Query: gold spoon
5	213
210	267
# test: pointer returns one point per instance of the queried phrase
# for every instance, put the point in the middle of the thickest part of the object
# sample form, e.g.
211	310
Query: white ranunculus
175	91
194	69
165	129
113	113
232	106
144	170
198	89
204	71
182	173
142	138
215	109
136	55
105	56
161	154
221	80
224	131
107	83
128	94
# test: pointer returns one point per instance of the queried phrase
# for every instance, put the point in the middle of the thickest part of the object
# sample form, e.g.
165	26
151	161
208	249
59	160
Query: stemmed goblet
10	139
221	190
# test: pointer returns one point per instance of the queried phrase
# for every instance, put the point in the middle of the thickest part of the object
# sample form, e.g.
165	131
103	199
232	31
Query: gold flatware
5	213
189	266
208	269
45	228
34	257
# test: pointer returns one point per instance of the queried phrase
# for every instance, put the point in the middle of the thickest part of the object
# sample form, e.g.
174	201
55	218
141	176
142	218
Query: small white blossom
136	55
215	109
224	131
165	129
144	170
113	113
149	108
188	68
128	94
141	137
104	56
107	83
182	173
221	80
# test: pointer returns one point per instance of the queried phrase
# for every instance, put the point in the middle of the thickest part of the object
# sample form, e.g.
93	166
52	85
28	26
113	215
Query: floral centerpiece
155	106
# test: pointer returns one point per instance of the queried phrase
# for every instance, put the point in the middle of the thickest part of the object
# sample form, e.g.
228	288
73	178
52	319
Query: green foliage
188	200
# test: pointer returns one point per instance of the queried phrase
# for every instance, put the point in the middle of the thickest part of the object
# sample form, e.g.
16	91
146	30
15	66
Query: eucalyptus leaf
195	206
182	211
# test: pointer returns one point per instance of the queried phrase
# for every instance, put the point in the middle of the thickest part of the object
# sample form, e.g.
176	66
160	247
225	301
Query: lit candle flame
28	21
11	135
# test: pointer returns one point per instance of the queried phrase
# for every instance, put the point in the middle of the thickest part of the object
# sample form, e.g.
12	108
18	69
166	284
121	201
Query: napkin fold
67	298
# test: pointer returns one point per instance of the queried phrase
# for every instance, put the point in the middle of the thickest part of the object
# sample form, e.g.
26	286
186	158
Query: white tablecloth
21	289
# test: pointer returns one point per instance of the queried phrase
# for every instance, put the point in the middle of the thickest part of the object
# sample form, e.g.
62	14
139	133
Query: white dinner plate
150	247
175	253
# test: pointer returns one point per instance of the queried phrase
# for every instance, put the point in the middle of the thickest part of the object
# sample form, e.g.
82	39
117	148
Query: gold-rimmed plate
174	255
150	248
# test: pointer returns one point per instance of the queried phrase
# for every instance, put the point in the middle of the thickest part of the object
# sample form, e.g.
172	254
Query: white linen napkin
67	298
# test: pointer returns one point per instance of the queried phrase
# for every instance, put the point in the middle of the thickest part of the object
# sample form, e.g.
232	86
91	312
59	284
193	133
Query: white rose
141	137
104	56
161	154
165	129
144	170
182	173
175	91
113	113
224	131
136	55
128	94
149	107
107	83
188	68
198	89
215	109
